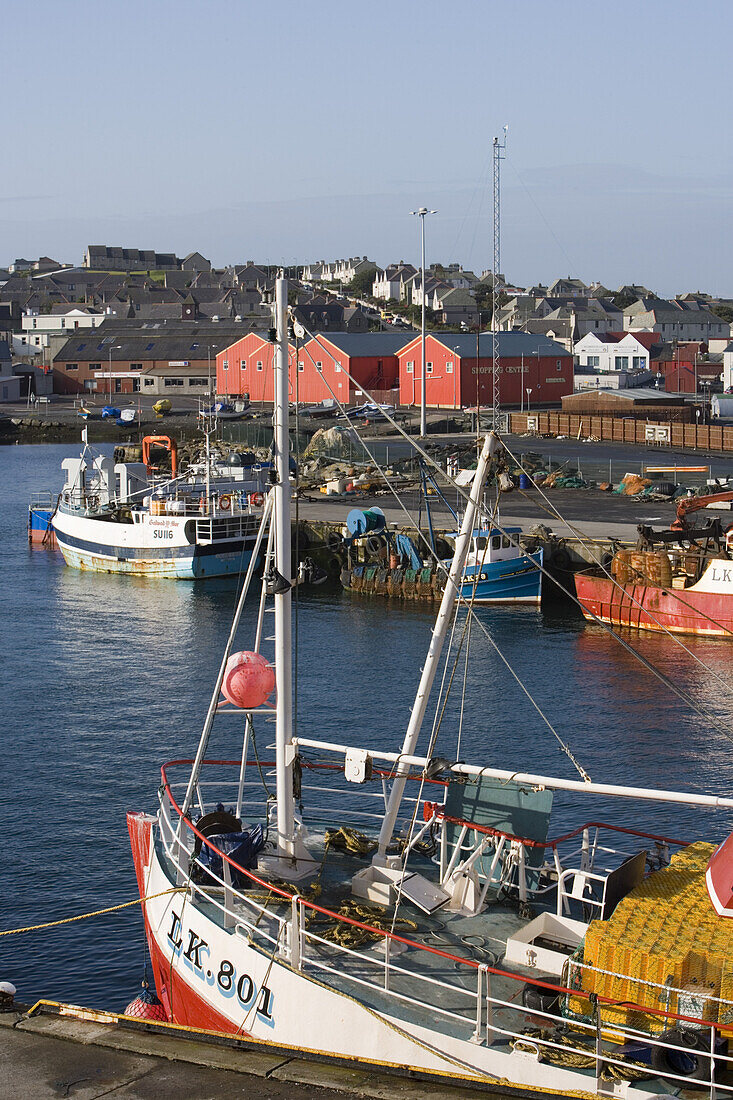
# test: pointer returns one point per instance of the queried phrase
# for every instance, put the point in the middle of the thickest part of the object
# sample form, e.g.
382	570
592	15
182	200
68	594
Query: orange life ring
257	499
225	502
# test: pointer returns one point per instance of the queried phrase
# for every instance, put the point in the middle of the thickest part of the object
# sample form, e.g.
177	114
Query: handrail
393	936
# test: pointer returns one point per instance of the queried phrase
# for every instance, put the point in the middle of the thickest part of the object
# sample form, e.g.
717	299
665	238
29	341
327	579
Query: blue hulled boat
498	570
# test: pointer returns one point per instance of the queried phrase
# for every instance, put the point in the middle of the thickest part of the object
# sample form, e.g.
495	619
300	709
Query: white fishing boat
124	518
405	909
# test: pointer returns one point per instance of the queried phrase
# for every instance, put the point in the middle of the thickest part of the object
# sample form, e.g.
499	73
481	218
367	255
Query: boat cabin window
496	542
506	542
481	542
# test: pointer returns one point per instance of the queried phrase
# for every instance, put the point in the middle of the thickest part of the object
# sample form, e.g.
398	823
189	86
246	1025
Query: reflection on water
106	677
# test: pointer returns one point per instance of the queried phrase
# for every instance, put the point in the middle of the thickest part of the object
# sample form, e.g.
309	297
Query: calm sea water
104	678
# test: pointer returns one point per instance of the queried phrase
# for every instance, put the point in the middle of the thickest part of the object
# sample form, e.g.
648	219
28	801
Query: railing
684	1047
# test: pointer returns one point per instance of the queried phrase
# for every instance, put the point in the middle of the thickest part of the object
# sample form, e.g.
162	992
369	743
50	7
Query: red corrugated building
347	366
456	377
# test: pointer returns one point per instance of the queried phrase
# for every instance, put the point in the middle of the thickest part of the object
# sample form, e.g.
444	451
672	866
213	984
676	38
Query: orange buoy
248	680
146	1006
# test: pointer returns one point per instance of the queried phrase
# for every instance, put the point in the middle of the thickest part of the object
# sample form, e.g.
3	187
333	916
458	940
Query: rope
572	1058
349	840
95	913
348	935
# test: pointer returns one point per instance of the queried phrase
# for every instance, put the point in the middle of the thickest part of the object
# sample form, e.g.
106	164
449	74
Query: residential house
10	383
673	320
530	367
455	306
568	288
194	261
615	351
347	270
100	257
389	283
61	320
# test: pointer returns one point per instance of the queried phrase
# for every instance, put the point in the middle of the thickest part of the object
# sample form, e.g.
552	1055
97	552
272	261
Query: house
390	282
673	320
609	351
10	384
529	366
61	320
455	306
568	288
346	366
194	261
100	257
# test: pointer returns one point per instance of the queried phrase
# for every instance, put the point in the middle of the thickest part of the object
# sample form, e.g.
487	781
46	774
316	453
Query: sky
291	132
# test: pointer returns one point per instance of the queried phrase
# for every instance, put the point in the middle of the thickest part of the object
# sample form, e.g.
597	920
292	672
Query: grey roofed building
510	344
183	342
364	344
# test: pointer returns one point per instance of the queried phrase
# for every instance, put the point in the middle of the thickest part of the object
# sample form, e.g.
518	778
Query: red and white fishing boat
396	908
678	581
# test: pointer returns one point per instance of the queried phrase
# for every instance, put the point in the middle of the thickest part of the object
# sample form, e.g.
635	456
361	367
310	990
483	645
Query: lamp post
208	355
528	392
423	407
521	386
455	368
113	347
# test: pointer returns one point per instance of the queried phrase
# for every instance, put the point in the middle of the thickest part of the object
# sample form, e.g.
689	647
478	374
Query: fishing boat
678	581
125	518
399	908
497	568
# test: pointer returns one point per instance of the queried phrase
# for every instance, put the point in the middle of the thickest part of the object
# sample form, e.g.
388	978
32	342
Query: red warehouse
454	377
347	366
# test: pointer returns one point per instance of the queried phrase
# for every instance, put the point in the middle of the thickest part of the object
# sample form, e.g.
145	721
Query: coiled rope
534	1039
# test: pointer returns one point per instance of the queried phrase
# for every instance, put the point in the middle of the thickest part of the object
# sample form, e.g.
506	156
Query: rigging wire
681	694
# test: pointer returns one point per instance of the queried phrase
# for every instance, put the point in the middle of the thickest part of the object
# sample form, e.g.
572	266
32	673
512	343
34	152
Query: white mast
452	586
284	751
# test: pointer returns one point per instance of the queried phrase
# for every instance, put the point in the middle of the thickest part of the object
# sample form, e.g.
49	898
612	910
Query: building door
118	385
136	385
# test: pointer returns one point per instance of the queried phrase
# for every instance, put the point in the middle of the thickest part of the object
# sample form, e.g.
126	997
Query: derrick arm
693	504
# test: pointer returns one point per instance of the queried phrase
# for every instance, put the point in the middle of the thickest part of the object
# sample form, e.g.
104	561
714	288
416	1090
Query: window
259	364
496	542
409	367
72	366
428	368
319	366
198	381
449	367
149	347
639	362
242	364
337	368
558	364
95	366
505	543
149	381
35	323
593	361
621	362
225	364
301	366
172	381
63	322
81	347
136	366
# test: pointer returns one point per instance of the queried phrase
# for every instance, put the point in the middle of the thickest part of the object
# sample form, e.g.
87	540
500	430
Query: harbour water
106	677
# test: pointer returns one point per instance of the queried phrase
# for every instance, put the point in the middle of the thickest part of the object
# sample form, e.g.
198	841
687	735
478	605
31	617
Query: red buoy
248	680
146	1007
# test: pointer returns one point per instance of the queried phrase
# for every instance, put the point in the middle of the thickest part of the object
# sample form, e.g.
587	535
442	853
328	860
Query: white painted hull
268	999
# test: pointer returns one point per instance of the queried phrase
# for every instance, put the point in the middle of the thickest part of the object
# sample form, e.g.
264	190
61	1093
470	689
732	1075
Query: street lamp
423	407
208	356
528	392
113	347
455	369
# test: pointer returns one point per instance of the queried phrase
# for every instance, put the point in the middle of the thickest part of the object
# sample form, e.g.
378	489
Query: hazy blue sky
301	131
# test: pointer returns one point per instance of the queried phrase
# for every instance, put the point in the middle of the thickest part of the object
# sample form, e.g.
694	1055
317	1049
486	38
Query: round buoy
7	994
146	1006
248	680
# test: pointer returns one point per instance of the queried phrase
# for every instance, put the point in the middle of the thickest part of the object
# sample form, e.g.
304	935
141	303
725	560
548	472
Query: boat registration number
195	955
162	533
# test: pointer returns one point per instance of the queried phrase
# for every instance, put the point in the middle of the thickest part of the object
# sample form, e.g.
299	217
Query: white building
62	320
607	351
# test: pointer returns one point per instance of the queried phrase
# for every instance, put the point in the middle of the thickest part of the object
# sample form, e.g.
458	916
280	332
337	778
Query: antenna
499	156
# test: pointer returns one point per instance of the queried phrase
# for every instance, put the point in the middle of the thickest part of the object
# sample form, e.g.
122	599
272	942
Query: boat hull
40	528
518	580
694	610
103	546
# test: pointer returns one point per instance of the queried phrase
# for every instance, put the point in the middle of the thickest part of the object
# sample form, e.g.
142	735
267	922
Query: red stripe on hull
660	609
182	1004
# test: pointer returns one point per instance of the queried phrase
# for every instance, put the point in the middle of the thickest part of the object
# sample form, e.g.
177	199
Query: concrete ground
48	1057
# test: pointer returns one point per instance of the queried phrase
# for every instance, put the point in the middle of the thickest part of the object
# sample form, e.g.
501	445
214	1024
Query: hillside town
173	326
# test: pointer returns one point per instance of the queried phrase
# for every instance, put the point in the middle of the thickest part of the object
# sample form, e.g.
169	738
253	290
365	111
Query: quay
57	1050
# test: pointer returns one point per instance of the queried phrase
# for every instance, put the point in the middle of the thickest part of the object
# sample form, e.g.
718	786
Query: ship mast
284	752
